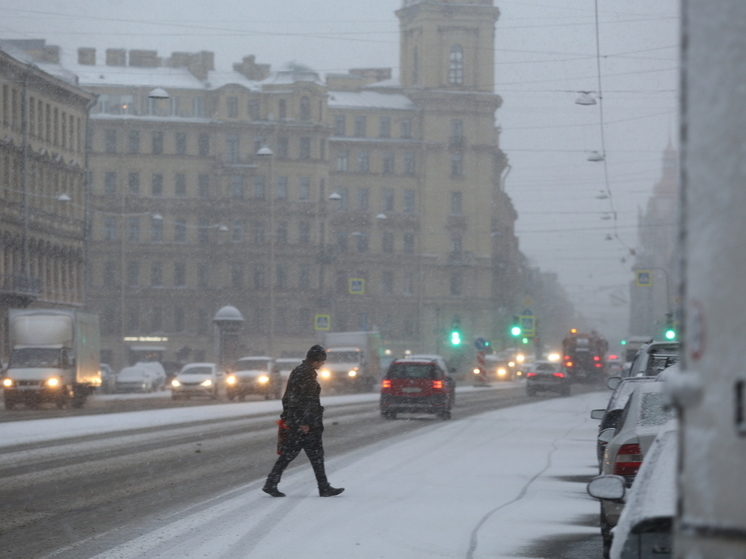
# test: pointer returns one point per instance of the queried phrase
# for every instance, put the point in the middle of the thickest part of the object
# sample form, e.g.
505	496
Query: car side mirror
607	488
605	436
614	382
597	414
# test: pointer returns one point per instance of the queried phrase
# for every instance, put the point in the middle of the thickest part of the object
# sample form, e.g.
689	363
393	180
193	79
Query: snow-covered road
485	486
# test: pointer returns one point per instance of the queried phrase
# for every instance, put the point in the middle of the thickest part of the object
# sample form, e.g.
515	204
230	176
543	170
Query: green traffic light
525	340
455	338
624	342
670	334
516	331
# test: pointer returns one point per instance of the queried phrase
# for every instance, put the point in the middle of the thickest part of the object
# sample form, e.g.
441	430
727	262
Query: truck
353	360
54	357
584	356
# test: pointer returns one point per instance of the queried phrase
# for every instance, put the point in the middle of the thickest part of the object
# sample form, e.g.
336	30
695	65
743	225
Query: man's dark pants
296	442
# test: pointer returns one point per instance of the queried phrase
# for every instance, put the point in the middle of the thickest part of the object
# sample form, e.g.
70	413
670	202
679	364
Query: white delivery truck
55	357
353	360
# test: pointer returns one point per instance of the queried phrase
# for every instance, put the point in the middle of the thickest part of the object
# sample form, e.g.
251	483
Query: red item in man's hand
283	434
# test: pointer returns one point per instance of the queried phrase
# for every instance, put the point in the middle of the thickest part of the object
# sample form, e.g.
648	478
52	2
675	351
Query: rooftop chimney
116	57
201	63
87	56
249	68
144	58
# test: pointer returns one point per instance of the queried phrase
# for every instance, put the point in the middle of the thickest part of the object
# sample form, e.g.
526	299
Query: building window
260	187
281	276
388	162
305	148
133	182
384	127
237	274
457	165
342	156
237	186
133	319
281	188
110	229
457	203
203	145
203	182
408	285
198	106
283	109
457	283
110	273
363	199
156	274
179	319
344	201
157	143
156	230
108	326
283	147
260	236
203	275
203	327
203	229
388	199
231	146
180	231
157	185
133	229
304	192
409	163
305	108
340	123
237	229
362	242
260	280
456	66
406	128
254	109
156	319
110	139
304	276
409	243
387	283
133	141
232	106
363	162
388	242
259	143
409	201
341	241
180	184
304	233
110	183
360	126
179	274
181	143
133	273
457	132
282	233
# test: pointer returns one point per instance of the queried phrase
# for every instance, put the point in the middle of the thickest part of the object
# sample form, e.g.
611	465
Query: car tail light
568	364
628	460
598	365
386	384
596	358
559	375
531	374
438	384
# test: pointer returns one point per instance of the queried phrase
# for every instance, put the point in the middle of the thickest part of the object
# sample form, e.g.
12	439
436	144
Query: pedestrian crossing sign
644	278
357	286
322	322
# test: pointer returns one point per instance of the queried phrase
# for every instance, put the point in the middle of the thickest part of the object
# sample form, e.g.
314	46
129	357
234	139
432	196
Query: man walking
302	413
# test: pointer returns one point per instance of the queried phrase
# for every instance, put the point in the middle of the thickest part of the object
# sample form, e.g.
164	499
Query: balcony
19	289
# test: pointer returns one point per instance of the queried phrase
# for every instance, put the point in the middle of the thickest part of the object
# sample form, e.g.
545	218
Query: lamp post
266	153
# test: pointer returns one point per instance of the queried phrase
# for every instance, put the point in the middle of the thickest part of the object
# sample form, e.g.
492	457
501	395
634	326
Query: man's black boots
271	489
329	491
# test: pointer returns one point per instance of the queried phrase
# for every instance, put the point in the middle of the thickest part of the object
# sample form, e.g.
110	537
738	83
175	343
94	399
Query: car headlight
175	383
476	371
501	372
7	382
53	382
264	379
326	374
207	382
231	380
511	364
352	373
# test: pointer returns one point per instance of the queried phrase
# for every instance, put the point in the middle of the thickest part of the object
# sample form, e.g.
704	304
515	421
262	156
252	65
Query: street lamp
585	98
158	93
266	153
595	156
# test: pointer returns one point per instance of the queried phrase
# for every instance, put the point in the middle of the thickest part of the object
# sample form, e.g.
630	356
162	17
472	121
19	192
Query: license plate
410	390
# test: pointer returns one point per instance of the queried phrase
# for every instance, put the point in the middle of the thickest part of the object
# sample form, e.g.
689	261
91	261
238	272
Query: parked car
416	386
108	379
135	379
251	375
644	528
157	372
643	418
283	367
610	416
547	376
197	379
652	358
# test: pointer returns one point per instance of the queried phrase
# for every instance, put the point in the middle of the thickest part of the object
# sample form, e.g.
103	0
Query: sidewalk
486	486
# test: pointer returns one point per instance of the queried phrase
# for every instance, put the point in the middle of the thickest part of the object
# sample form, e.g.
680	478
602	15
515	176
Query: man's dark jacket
301	404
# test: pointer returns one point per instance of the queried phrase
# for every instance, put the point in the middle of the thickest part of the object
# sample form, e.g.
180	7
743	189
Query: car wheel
241	397
388	414
231	397
444	415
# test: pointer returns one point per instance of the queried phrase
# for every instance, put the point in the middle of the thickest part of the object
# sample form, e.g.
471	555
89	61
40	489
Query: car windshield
660	361
255	364
546	367
342	356
36	357
653	412
197	371
411	371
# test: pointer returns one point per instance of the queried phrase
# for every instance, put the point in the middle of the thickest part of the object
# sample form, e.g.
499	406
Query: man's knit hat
316	353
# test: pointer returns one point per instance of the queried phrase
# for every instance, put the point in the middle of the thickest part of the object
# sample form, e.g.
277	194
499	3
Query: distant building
381	206
658	232
42	181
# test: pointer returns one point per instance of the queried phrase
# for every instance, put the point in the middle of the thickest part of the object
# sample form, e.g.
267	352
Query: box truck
353	360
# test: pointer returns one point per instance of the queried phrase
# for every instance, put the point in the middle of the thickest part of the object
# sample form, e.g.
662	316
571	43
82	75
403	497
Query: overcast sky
545	54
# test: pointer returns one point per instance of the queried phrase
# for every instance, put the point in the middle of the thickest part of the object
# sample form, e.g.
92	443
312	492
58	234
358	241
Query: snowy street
505	482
